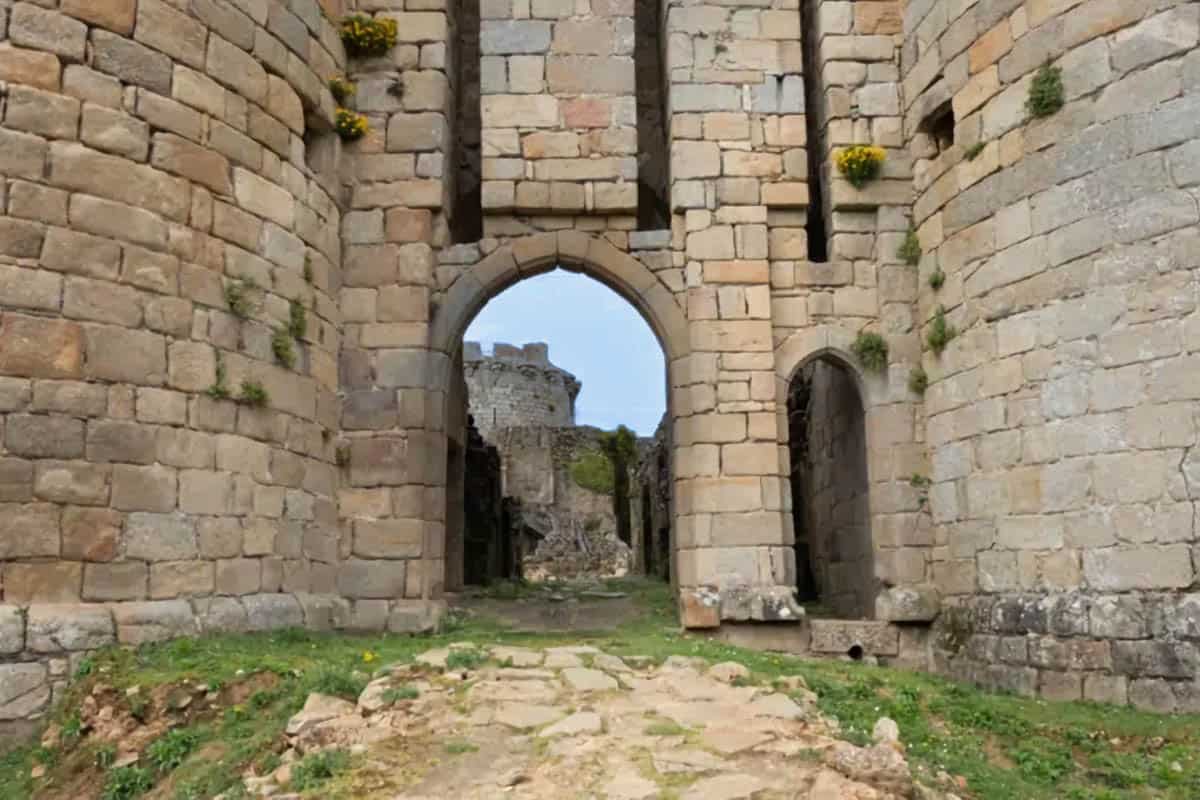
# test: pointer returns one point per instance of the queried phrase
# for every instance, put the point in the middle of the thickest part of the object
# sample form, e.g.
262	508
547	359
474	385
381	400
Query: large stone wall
1061	421
154	154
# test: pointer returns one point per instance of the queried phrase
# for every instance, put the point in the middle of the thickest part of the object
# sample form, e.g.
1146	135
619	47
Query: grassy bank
1002	747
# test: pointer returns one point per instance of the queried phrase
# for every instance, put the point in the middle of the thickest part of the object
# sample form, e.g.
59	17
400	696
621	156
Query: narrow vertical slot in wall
650	77
467	219
818	240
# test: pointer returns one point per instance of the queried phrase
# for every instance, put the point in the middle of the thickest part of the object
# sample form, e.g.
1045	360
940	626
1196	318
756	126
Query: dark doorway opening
831	515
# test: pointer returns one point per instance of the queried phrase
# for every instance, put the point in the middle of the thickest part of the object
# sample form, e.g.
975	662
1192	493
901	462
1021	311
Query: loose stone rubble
540	725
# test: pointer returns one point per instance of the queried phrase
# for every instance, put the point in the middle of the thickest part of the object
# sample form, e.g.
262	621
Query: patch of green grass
125	783
459	746
397	693
170	750
339	683
465	659
665	728
72	729
84	668
316	769
1006	747
105	755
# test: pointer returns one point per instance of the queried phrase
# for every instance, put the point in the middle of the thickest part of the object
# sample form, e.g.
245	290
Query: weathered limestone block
908	604
153	621
838	637
24	690
68	628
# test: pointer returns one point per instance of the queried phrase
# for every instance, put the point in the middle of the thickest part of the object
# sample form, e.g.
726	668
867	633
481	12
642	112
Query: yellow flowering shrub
366	36
860	163
350	126
341	89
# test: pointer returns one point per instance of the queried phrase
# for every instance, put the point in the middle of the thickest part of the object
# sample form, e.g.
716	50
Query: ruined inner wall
517	387
576	524
1061	420
150	159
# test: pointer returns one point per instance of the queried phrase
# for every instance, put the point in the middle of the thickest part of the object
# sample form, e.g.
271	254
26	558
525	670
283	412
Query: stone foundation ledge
42	644
875	641
707	606
1139	648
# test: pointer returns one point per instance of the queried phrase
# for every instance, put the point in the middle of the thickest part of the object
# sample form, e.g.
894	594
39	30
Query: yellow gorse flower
367	36
350	125
860	163
368	656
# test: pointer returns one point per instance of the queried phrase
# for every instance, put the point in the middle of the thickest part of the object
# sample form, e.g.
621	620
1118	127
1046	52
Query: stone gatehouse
228	339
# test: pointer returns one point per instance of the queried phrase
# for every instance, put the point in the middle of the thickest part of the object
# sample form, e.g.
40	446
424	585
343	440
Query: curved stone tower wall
151	158
517	387
1061	422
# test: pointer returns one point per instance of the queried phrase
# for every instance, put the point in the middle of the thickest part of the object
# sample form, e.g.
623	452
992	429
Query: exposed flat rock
318	708
524	716
630	786
582	679
675	761
735	786
577	723
732	740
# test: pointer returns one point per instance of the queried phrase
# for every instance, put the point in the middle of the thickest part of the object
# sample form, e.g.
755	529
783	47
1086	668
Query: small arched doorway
827	445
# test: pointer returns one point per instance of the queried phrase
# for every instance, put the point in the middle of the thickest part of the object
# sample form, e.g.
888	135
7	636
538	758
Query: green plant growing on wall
621	448
237	297
341	89
918	381
871	350
366	37
219	389
308	268
941	333
910	249
921	483
593	471
974	151
297	319
341	455
937	279
1045	92
253	394
281	346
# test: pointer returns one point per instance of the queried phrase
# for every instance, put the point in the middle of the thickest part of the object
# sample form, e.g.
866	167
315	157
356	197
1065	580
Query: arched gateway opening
474	550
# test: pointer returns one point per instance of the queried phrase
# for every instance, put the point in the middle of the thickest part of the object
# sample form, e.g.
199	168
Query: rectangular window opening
650	77
466	221
817	227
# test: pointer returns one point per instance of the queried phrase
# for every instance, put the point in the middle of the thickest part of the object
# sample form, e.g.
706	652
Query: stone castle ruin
952	410
558	512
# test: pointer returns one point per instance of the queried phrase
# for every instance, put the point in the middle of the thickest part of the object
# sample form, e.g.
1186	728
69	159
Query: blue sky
594	334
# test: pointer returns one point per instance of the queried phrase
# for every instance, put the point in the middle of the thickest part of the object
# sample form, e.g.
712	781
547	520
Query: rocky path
574	722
